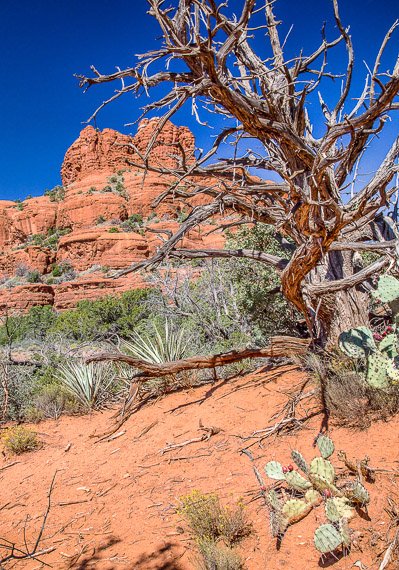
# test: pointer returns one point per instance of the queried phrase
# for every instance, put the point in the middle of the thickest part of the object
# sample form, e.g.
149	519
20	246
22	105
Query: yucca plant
87	382
166	345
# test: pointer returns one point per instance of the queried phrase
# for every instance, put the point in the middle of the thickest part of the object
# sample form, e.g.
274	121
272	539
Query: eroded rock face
110	151
91	206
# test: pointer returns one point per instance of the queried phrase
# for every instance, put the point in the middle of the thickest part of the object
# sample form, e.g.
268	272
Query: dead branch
279	346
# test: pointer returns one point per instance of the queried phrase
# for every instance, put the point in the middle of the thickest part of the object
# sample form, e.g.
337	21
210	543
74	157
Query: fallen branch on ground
209	431
279	346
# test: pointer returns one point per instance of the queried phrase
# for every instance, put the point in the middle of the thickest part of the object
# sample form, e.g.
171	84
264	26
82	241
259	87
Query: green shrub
92	189
34	276
19	439
107	189
57	194
113	230
113	179
56	270
100	220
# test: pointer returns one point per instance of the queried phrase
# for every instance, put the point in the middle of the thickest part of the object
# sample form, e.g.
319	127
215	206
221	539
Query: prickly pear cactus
358	494
327	538
331	511
312	496
357	342
274	470
322	468
389	345
376	374
296	481
300	461
345	532
326	446
295	510
387	289
273	499
392	371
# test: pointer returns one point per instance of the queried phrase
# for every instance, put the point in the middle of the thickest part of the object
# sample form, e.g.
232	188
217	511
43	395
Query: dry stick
4	383
206	436
22	555
9	465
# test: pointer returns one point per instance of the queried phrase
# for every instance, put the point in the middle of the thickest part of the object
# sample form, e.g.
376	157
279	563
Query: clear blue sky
43	43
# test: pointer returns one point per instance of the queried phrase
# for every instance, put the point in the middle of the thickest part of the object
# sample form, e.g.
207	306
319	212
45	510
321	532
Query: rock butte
88	164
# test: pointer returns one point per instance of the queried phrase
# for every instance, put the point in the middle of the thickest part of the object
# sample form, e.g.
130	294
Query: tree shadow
160	559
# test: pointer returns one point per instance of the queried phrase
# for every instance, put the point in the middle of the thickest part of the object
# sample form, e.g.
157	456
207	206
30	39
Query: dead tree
266	100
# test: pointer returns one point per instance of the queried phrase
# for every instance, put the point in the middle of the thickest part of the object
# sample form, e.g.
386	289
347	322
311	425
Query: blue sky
43	43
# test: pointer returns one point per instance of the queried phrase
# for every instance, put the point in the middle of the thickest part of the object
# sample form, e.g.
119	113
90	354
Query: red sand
113	505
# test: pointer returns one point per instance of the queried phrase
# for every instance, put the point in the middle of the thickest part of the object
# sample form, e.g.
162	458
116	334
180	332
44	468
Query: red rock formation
89	164
21	298
109	150
33	257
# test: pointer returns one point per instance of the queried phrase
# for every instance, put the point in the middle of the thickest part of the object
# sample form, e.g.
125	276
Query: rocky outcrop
101	191
110	151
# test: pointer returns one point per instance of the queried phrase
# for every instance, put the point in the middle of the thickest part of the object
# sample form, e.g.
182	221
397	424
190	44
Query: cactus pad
274	470
392	371
331	511
323	468
357	342
273	499
295	510
376	374
314	497
387	289
327	538
300	461
296	481
326	446
344	532
344	507
358	494
389	346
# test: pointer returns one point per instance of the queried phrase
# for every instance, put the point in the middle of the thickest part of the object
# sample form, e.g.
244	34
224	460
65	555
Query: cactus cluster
318	485
382	359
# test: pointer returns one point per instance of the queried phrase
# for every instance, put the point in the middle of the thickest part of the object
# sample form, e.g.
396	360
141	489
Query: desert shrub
21	270
107	188
208	520
57	194
56	270
108	316
119	187
164	345
215	557
113	230
19	439
100	220
52	401
347	398
21	388
92	189
89	383
113	179
34	276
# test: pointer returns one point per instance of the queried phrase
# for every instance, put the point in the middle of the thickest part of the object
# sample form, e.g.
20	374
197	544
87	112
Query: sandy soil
113	505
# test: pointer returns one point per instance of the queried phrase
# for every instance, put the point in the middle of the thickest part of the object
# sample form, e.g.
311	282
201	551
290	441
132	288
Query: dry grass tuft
214	557
347	398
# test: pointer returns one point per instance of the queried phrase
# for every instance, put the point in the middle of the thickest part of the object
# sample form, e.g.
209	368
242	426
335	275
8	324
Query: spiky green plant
87	382
166	345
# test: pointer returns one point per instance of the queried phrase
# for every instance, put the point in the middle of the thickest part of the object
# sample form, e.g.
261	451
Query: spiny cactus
296	481
327	538
337	508
326	446
357	342
387	289
376	374
323	468
389	345
274	470
314	497
320	486
300	461
357	493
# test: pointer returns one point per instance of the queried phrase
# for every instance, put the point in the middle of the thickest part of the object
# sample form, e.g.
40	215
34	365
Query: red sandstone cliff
98	195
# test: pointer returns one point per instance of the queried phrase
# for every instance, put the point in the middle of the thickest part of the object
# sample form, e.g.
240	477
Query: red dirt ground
113	505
